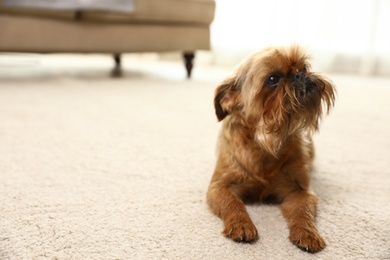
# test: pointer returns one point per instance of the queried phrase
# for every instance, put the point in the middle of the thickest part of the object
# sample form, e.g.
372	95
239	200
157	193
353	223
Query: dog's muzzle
300	84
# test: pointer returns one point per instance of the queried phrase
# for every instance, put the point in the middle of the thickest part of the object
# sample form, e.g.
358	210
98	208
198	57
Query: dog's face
275	93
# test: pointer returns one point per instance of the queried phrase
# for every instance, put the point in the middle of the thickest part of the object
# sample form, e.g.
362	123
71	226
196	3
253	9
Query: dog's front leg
225	204
299	209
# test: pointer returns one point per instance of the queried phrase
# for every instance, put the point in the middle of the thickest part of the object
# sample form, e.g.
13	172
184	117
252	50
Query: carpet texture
100	168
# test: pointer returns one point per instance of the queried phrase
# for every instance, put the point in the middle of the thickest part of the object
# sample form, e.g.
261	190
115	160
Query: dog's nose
299	76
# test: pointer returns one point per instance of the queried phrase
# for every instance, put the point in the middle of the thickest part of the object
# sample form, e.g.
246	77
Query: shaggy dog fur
270	108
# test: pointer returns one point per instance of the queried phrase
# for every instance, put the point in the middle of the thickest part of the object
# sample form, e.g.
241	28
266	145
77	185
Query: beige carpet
100	168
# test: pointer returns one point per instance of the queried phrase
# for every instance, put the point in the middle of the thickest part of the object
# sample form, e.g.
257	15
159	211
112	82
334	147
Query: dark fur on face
270	108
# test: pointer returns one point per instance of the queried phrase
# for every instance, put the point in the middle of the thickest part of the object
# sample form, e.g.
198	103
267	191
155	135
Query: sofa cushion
111	5
156	11
56	14
146	11
24	11
28	34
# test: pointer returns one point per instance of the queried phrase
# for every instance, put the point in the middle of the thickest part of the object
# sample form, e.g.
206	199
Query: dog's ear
226	98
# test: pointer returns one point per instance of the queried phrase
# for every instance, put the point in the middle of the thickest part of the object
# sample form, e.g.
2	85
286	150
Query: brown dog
270	106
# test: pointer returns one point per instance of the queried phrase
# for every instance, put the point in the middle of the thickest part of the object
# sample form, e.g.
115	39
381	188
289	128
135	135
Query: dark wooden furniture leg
117	71
188	59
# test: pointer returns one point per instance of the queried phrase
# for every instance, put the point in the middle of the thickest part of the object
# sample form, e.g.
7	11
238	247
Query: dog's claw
309	241
241	232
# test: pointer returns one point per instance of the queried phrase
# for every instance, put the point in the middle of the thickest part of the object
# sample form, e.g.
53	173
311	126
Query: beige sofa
154	26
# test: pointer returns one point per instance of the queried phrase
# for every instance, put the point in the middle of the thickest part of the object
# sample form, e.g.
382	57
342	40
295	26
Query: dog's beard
294	109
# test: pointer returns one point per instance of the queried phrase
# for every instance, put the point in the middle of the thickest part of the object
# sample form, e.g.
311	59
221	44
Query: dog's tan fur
265	148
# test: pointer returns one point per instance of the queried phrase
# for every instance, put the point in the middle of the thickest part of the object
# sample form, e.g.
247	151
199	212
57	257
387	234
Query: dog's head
274	92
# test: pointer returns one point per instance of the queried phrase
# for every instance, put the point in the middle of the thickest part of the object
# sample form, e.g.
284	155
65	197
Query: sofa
153	26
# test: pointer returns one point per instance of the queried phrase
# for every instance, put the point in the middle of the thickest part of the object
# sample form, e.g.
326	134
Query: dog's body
270	107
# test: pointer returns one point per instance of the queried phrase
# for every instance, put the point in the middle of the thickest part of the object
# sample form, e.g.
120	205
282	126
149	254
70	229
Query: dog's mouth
303	91
303	85
305	107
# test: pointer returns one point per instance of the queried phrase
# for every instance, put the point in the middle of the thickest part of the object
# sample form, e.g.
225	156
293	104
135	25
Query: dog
270	108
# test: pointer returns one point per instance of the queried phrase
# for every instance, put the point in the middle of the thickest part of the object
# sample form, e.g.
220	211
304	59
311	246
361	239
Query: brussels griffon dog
270	108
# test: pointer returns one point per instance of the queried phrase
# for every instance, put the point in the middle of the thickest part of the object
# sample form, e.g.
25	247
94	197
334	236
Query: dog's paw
241	231
307	240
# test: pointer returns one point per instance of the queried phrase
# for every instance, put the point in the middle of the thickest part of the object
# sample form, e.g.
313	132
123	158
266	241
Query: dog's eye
273	81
